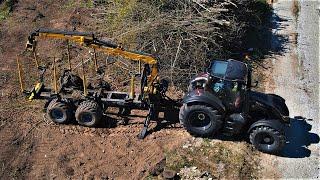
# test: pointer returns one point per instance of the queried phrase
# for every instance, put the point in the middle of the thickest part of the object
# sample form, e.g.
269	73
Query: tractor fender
203	97
280	104
272	102
275	124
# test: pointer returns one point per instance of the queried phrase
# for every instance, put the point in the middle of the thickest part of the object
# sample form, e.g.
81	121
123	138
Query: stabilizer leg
144	131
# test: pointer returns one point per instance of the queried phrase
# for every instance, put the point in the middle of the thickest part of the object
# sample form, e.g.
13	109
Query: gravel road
296	78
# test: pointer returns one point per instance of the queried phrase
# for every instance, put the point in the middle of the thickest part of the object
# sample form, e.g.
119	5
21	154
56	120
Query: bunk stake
84	79
20	75
131	93
55	85
35	58
139	66
95	60
69	56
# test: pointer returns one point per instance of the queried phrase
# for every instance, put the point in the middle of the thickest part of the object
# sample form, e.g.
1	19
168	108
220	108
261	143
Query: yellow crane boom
89	40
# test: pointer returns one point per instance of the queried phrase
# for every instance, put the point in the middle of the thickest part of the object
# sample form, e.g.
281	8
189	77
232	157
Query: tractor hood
274	103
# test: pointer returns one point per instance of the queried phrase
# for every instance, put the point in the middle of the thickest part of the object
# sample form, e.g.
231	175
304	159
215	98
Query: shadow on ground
277	41
299	138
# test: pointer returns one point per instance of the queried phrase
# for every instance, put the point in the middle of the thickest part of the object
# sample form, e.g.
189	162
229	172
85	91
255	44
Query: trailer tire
89	114
59	111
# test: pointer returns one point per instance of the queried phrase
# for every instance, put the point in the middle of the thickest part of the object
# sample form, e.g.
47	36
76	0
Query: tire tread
182	118
92	107
61	104
258	129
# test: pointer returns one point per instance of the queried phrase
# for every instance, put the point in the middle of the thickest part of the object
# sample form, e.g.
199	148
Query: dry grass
220	159
184	35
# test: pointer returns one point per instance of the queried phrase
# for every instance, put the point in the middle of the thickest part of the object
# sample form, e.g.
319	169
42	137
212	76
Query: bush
6	7
185	35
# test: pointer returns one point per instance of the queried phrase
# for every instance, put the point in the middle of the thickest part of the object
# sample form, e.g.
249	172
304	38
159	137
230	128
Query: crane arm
89	40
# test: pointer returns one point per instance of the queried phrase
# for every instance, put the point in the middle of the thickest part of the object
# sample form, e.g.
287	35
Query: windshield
230	70
219	68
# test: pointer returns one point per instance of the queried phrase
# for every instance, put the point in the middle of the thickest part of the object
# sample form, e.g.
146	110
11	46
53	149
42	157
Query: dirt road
295	77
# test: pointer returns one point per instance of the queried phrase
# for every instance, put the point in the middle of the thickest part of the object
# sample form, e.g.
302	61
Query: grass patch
4	13
6	7
220	159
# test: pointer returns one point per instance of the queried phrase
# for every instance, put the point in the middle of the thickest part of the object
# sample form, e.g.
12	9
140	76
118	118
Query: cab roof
231	70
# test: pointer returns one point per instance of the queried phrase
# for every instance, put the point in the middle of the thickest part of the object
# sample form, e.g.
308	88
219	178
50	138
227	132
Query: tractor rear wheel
267	139
89	113
59	111
200	120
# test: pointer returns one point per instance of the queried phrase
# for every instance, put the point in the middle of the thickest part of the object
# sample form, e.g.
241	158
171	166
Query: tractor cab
228	81
230	70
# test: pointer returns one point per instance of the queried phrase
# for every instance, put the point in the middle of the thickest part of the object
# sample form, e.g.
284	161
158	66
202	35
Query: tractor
221	100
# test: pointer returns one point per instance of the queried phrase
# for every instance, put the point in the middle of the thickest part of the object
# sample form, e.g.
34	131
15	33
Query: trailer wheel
59	111
267	139
200	120
88	113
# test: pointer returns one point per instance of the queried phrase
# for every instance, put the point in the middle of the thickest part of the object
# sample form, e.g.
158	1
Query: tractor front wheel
89	113
267	139
59	111
200	120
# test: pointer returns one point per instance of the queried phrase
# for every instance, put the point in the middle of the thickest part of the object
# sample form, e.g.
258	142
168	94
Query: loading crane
62	107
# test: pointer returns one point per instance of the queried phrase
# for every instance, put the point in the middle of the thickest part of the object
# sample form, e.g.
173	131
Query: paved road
296	78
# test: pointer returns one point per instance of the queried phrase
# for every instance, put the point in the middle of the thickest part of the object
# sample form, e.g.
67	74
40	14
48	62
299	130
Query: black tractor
221	101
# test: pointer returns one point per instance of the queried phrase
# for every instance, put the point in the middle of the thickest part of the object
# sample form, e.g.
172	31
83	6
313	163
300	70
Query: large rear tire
267	139
200	120
59	111
89	114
